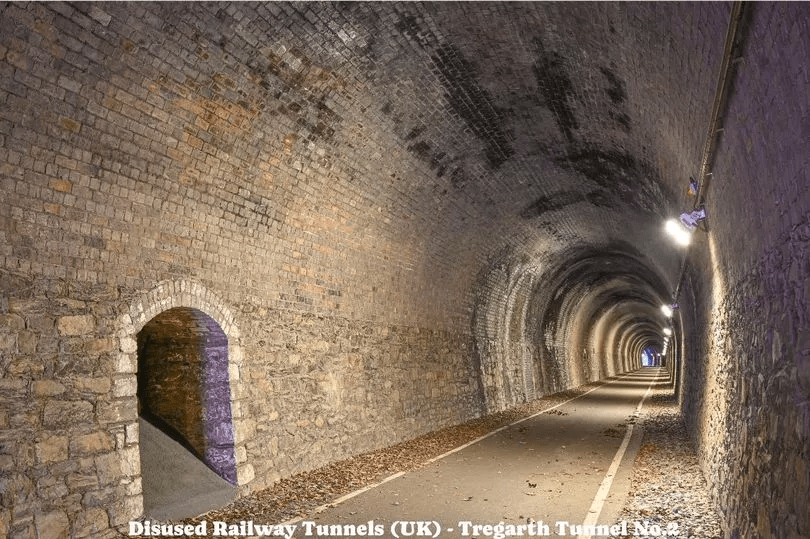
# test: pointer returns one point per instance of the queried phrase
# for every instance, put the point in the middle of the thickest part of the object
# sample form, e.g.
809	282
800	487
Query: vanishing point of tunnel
273	236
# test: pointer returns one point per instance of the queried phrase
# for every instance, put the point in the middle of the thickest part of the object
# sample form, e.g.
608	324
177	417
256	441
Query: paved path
545	469
176	484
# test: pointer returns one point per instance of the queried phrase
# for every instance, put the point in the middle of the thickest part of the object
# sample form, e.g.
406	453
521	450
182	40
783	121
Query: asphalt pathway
176	484
524	480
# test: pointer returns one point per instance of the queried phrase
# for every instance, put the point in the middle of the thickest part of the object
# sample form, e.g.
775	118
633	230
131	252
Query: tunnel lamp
667	332
680	233
667	310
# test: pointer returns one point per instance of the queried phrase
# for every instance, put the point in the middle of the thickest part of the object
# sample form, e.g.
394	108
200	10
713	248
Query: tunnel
301	237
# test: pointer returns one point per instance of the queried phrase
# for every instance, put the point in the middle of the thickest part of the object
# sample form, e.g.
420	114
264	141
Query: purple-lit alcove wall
183	384
217	425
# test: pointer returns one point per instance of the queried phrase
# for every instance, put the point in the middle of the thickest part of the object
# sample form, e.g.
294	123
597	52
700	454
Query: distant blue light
649	358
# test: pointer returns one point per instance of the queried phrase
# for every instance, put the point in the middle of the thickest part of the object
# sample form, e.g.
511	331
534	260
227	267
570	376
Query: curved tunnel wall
416	214
746	376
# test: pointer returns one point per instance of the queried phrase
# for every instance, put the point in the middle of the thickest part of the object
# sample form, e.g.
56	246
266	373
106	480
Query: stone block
12	322
80	481
90	523
93	385
108	468
99	346
8	342
134	487
130	461
40	323
50	488
125	410
132	433
46	388
125	386
105	497
27	342
130	508
76	325
95	442
66	413
245	474
100	15
13	386
126	363
244	429
128	345
52	449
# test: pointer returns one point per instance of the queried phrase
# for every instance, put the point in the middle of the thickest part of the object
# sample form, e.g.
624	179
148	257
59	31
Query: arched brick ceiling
522	131
544	128
395	160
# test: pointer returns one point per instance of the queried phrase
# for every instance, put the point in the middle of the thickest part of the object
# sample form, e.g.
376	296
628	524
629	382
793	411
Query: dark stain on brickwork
415	132
473	103
422	151
598	198
621	178
607	168
555	84
408	26
622	119
615	90
618	173
458	178
551	203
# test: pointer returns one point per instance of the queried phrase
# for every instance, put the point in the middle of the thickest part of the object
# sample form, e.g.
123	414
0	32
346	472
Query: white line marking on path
350	495
607	482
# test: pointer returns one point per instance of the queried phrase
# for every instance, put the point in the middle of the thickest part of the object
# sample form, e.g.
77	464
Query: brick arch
182	293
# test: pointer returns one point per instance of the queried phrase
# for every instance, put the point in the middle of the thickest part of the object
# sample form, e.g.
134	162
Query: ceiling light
667	310
679	232
667	332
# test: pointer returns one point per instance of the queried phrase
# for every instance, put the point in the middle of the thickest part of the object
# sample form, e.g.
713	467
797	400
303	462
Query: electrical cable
725	76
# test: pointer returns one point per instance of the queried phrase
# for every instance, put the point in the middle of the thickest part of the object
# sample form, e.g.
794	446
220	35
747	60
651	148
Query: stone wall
746	372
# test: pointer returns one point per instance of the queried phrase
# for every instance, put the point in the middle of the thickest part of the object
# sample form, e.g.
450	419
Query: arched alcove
187	310
183	385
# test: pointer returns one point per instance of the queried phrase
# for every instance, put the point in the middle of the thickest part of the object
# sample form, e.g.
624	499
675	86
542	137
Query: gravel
667	485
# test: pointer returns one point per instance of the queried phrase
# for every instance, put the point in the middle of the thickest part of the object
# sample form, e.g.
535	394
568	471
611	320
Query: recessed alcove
183	387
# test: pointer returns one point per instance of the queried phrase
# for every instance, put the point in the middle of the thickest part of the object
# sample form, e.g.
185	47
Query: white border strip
351	495
607	482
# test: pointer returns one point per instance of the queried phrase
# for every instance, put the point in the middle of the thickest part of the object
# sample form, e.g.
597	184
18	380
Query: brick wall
158	156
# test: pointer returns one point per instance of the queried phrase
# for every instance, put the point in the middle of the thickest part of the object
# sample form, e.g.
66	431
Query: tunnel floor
176	484
546	467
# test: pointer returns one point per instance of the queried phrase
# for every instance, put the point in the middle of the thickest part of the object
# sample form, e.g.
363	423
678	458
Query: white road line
350	495
607	482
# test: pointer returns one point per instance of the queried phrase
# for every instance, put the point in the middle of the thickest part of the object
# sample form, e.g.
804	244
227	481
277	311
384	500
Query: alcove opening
183	385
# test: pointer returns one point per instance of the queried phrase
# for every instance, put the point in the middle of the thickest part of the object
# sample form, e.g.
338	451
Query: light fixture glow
667	332
679	233
667	310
